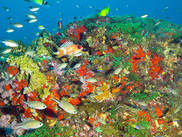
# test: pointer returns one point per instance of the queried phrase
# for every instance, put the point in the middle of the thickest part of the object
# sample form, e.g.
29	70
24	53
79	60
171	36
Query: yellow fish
104	12
36	105
33	124
40	2
66	106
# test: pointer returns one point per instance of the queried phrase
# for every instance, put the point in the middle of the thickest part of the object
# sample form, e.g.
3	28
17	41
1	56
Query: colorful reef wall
124	81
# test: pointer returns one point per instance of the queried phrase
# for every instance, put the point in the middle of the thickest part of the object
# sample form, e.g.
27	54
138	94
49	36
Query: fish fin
57	54
66	44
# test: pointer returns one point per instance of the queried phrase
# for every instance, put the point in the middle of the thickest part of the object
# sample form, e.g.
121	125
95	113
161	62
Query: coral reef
126	81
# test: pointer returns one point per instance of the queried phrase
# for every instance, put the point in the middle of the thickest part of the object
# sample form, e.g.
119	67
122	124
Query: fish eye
79	47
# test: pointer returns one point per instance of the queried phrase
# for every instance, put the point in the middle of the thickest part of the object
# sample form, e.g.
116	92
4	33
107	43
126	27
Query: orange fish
68	48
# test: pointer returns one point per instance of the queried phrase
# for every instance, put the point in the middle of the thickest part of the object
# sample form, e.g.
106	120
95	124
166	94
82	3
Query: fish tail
16	130
54	99
22	99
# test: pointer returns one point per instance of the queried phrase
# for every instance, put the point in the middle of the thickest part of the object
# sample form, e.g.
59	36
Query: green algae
46	131
133	77
144	96
99	130
117	61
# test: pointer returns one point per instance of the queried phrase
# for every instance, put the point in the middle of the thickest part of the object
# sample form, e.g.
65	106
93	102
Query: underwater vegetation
101	76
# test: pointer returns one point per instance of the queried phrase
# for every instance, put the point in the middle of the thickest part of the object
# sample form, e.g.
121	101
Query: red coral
155	69
16	101
7	87
159	112
12	70
76	31
136	58
83	70
140	53
1	103
27	113
109	50
74	101
61	116
19	85
63	41
55	94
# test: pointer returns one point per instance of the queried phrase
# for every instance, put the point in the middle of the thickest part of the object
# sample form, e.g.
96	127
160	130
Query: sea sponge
29	67
106	93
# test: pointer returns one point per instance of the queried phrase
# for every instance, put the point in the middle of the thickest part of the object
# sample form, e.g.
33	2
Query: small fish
157	23
165	9
117	71
17	25
144	16
77	65
37	34
91	7
91	99
142	103
58	1
104	12
34	8
124	43
36	105
73	95
178	11
9	30
91	80
177	109
32	20
92	95
62	66
41	27
66	106
102	121
40	2
10	18
68	48
33	124
59	25
30	15
10	43
99	92
77	6
6	8
135	126
6	51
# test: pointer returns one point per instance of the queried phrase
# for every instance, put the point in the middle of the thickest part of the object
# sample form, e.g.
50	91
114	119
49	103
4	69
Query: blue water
79	9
